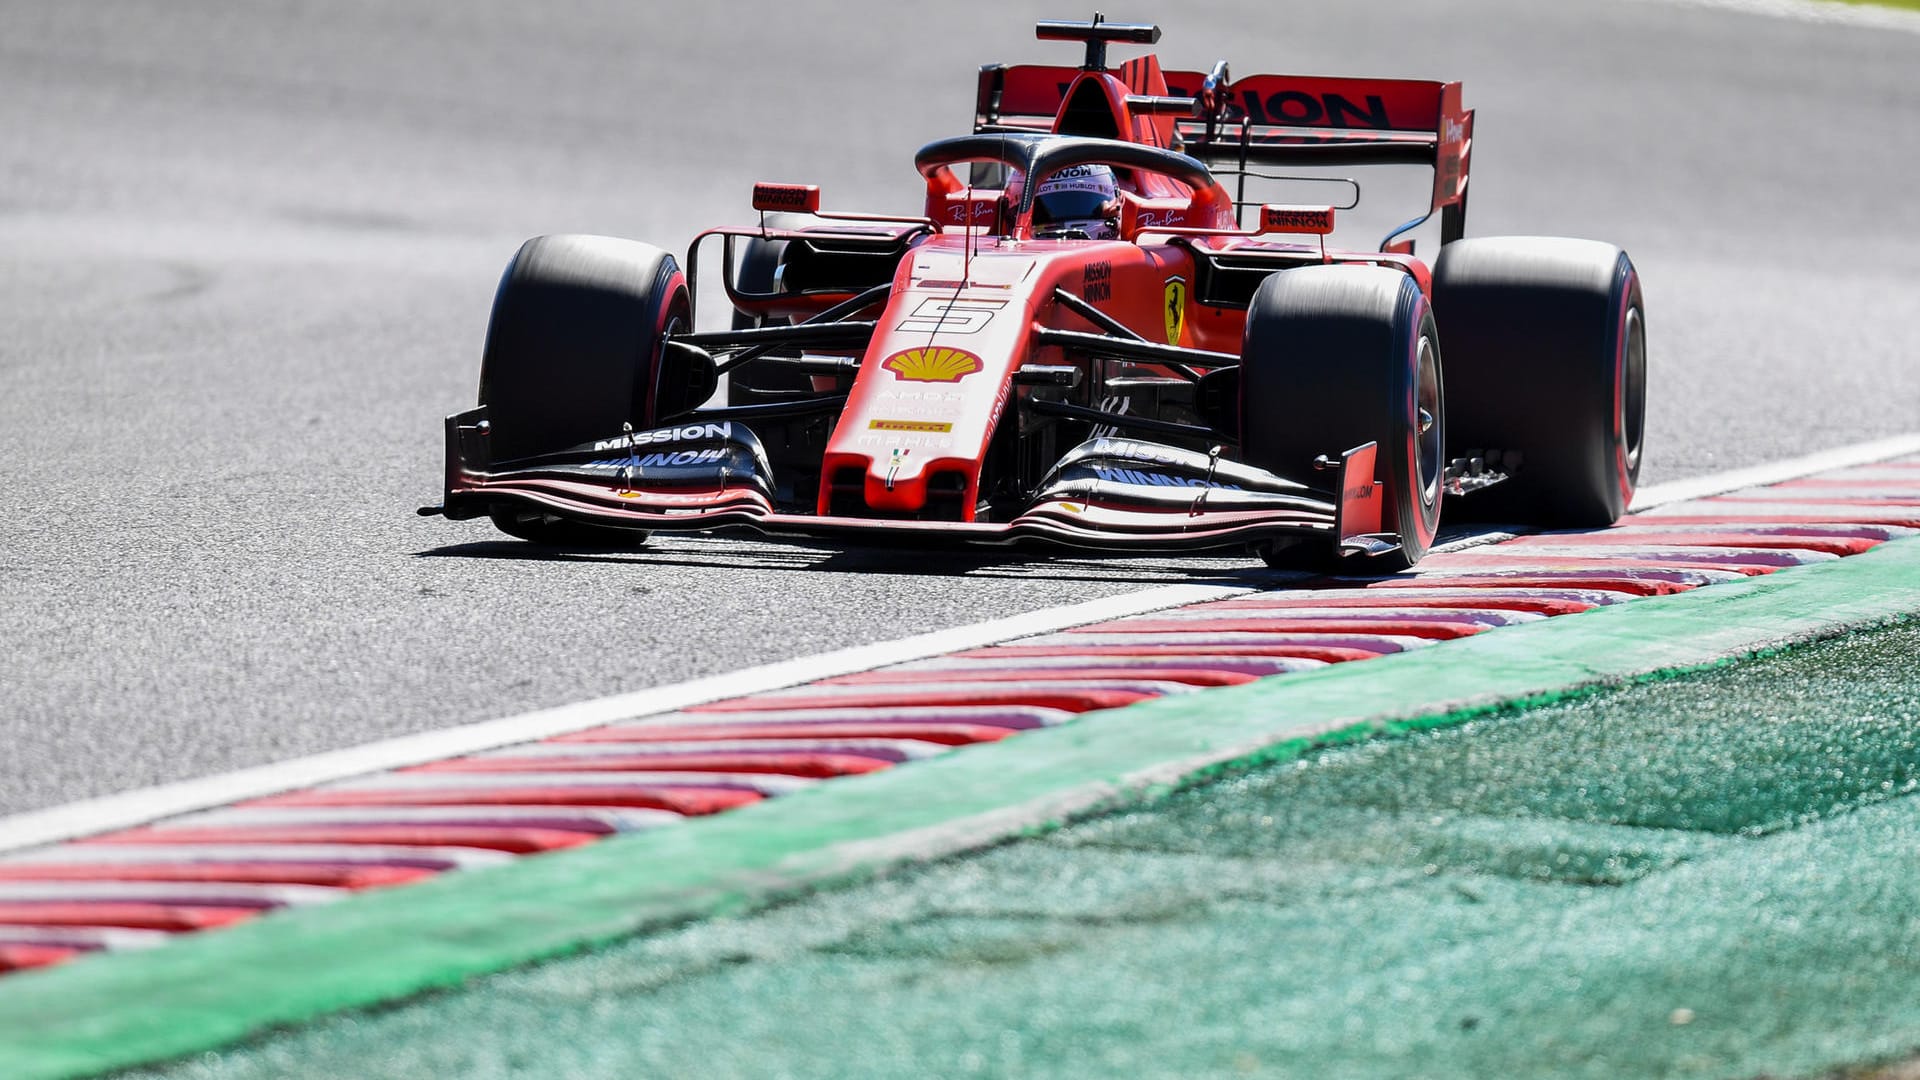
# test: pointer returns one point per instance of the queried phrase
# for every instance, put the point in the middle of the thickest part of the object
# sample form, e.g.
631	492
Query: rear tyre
1546	359
1337	356
574	350
760	273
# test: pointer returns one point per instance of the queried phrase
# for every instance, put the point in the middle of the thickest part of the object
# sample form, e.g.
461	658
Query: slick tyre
1547	366
760	273
574	350
1337	356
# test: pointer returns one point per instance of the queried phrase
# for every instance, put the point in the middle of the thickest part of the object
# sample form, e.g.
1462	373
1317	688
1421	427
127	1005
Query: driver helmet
1078	202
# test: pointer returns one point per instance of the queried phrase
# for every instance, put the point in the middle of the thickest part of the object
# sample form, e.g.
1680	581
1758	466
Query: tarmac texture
246	254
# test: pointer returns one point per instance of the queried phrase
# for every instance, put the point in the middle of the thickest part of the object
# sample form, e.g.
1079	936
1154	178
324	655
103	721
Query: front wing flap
1106	495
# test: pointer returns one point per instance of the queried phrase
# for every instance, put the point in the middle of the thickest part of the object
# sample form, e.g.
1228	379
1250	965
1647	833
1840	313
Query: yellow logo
908	425
935	363
1176	309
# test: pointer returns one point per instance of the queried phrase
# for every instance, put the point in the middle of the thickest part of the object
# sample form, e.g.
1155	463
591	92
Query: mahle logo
932	364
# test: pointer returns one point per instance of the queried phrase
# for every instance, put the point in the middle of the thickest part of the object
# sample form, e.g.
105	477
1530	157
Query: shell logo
932	364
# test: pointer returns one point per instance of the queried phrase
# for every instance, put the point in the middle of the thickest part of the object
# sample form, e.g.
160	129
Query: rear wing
1276	120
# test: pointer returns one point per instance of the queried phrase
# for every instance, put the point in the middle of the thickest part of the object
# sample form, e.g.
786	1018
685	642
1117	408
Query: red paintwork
1410	112
900	433
1017	277
1010	278
1008	268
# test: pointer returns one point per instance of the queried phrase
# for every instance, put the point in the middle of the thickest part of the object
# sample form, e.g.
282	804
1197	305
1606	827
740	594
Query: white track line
133	808
1840	457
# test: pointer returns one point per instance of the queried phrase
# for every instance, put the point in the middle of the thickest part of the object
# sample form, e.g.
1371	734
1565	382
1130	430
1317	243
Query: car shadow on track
818	556
804	557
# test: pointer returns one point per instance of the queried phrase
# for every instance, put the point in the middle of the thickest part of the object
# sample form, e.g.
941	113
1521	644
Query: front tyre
1337	356
574	351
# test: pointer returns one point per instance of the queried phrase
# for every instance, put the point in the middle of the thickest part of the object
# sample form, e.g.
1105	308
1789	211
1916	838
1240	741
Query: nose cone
919	419
932	385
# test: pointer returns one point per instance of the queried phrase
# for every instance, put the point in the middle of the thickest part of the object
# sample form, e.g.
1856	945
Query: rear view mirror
798	198
1305	220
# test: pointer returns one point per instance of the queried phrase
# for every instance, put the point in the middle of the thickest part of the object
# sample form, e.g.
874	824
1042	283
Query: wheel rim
1633	391
647	407
1427	447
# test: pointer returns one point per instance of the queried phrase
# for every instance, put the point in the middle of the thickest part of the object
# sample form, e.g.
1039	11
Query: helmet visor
1057	206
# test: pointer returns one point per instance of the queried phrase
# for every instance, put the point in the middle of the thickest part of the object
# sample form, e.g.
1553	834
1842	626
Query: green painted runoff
1704	876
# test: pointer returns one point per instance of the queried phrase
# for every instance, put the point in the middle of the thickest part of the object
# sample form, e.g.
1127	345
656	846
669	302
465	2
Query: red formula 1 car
1078	343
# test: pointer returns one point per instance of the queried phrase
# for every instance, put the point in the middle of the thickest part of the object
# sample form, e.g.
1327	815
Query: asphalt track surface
246	253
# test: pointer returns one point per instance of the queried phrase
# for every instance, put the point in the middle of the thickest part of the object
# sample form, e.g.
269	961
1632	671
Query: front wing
1117	495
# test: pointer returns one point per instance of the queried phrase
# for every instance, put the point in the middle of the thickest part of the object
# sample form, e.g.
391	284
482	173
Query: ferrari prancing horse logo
1176	309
